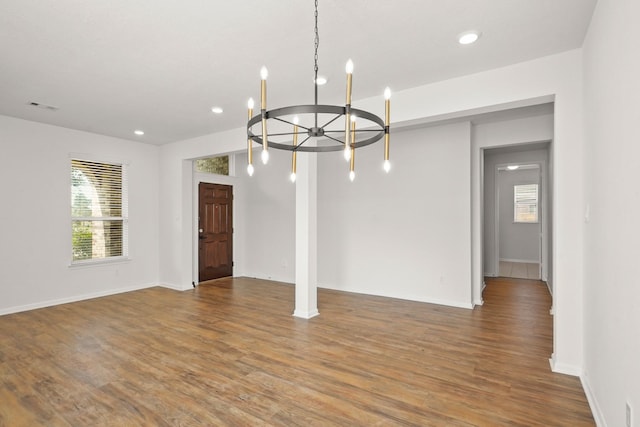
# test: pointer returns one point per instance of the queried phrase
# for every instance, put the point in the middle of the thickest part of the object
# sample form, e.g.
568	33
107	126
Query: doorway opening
215	231
517	212
518	240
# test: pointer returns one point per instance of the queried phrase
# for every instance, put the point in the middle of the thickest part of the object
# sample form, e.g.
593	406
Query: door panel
215	231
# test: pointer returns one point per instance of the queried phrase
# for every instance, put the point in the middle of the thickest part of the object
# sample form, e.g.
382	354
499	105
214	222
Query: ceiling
114	66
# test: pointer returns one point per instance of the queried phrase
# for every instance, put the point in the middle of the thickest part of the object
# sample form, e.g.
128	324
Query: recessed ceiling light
321	80
138	132
217	110
468	37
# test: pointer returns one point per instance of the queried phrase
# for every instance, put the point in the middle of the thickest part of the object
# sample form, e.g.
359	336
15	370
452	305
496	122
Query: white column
306	236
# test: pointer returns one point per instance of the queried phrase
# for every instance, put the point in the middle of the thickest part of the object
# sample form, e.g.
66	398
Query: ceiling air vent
44	106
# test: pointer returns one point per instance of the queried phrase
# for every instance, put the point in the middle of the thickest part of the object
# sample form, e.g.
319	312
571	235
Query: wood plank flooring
230	353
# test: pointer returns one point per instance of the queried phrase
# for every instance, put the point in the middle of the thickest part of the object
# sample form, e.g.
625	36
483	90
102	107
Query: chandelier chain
316	42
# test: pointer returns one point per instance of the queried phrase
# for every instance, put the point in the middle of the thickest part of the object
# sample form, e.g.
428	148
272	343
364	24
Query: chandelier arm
289	123
297	147
331	121
332	138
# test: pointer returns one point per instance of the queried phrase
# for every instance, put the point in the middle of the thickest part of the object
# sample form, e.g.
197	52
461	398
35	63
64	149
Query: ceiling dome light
138	132
217	110
468	37
512	167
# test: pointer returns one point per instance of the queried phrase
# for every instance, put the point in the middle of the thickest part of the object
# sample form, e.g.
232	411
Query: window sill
99	262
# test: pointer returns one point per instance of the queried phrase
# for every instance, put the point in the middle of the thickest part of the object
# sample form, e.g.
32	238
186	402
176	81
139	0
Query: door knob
201	230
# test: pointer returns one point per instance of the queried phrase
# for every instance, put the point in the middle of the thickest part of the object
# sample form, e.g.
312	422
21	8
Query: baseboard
598	416
76	298
271	278
457	304
563	368
305	314
175	287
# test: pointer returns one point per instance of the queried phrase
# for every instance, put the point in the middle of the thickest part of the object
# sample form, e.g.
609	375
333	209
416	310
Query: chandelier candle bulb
347	151
347	141
352	163
263	110
294	155
349	70
387	119
250	105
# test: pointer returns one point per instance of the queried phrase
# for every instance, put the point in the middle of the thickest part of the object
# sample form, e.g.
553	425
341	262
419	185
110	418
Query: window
525	203
217	165
99	226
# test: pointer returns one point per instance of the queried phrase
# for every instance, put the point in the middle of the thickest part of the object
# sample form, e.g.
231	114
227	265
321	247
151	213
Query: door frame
197	178
543	238
227	269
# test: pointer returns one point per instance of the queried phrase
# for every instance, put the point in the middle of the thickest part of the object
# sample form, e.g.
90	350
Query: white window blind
99	226
525	203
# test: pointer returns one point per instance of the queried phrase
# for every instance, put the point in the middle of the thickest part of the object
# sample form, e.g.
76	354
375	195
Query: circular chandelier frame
372	135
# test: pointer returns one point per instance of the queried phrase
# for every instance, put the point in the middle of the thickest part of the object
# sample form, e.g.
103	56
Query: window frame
517	203
124	218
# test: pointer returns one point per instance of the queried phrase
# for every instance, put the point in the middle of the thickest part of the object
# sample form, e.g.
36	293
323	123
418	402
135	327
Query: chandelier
315	128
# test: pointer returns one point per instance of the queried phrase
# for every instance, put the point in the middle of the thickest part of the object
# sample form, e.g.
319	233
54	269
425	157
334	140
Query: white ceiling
112	66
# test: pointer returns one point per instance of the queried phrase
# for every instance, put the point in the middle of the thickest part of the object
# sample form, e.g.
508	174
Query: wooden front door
215	231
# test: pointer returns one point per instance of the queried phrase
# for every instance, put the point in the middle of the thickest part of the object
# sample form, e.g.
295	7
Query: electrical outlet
629	415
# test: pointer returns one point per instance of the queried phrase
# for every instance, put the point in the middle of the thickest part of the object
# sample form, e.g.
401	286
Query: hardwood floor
230	353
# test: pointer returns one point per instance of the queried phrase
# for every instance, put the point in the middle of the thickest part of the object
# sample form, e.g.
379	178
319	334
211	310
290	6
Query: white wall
270	217
612	286
405	234
519	242
35	219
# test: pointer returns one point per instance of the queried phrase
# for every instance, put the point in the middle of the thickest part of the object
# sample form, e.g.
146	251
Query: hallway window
98	211
218	165
525	203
